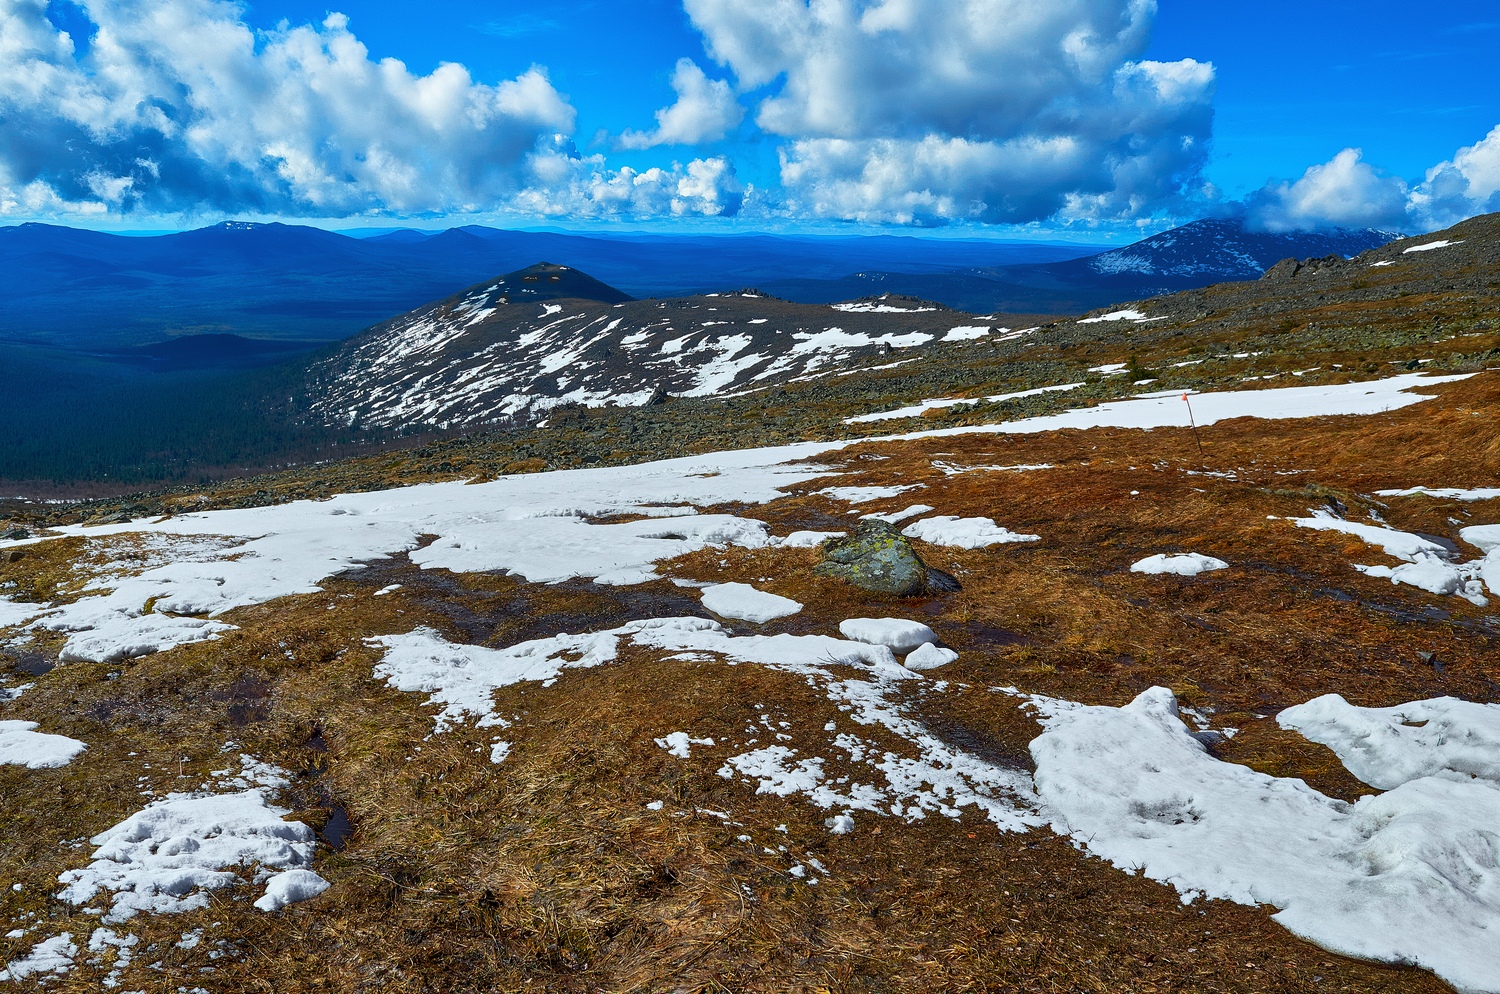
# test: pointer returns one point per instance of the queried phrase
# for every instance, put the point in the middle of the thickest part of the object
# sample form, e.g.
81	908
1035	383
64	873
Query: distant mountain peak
542	281
1225	249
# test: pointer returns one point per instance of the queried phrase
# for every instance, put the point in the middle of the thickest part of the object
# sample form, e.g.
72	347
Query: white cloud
706	110
566	184
1461	187
1348	192
998	110
1342	192
177	105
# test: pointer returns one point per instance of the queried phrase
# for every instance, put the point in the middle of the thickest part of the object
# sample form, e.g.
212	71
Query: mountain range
86	290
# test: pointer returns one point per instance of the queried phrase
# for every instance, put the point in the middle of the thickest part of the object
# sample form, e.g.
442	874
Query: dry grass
548	872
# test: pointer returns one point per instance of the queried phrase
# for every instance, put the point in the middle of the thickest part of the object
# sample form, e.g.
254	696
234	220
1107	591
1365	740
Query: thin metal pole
1192	422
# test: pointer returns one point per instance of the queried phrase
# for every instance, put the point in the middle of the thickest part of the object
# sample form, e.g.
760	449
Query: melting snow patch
964	533
926	775
894	516
22	745
1125	315
1427	564
949	469
938	403
1429	246
1409	876
54	955
805	539
964	333
164	858
897	634
13	613
863	495
1187	564
744	602
929	657
680	744
290	887
1447	493
1386	747
873	307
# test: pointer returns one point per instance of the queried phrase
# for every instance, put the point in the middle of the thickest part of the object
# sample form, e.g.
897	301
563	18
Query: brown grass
548	873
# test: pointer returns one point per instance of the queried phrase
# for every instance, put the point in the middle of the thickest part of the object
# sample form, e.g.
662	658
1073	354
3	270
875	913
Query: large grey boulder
877	558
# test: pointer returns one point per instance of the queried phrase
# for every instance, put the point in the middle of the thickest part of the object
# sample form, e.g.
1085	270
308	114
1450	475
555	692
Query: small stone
939	582
877	558
14	556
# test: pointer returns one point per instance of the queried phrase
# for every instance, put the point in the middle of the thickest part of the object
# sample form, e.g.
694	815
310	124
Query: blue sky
1090	119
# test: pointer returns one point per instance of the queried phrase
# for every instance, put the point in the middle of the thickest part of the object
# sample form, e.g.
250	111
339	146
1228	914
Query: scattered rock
13	534
658	396
877	558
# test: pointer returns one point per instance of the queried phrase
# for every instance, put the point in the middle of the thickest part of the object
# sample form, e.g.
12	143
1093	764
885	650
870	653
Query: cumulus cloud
1342	192
176	105
995	110
1346	191
566	184
706	110
1461	187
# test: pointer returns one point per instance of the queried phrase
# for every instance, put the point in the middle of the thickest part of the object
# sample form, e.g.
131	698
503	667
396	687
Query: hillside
1176	706
550	335
1196	254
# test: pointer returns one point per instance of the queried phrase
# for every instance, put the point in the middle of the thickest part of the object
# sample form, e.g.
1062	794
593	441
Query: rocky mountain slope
1223	250
549	335
1196	254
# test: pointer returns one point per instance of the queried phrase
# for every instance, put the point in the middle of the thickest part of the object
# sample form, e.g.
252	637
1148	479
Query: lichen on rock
877	558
